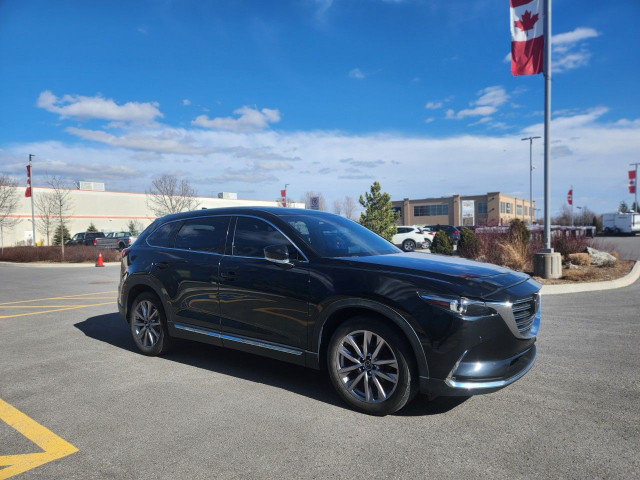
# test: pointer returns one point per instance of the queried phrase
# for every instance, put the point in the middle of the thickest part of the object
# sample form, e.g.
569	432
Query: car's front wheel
371	366
148	325
408	245
427	244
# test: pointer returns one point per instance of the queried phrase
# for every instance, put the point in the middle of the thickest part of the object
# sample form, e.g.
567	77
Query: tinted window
206	234
253	234
402	230
163	236
334	236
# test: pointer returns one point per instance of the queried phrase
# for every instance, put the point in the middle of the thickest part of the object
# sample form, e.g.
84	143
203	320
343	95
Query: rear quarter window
164	235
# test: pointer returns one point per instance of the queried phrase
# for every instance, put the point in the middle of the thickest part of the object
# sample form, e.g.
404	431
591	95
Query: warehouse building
108	211
494	208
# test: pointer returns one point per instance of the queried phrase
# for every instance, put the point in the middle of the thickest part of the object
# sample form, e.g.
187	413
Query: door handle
229	276
161	265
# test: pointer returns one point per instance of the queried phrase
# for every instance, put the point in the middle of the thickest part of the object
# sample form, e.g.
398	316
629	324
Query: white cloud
248	119
577	35
487	103
98	107
357	73
433	105
429	120
186	102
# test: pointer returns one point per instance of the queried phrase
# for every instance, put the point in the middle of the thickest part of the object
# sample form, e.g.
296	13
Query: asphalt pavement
68	363
628	246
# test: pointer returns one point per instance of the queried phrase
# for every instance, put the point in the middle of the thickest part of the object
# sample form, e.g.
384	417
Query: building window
519	210
503	207
397	210
430	210
482	207
526	210
509	207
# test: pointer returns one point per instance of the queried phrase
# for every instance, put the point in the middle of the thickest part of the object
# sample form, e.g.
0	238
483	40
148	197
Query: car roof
273	211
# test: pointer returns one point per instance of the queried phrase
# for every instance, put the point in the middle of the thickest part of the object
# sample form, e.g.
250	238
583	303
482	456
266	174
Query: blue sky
324	95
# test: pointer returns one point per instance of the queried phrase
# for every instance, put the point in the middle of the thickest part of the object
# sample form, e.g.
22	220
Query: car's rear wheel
408	245
427	244
371	366
148	325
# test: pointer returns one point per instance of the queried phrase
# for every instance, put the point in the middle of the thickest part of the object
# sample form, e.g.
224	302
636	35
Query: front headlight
461	306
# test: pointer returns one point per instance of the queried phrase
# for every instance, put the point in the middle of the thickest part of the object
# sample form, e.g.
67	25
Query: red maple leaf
527	22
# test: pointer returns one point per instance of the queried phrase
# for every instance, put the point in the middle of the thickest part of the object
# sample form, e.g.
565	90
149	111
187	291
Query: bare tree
338	207
8	201
350	207
170	195
306	199
61	204
44	203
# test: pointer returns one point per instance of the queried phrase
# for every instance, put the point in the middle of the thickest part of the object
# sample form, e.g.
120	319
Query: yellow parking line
66	297
74	307
52	445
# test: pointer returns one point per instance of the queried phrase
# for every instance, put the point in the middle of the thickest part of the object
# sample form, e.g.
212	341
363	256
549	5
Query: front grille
524	312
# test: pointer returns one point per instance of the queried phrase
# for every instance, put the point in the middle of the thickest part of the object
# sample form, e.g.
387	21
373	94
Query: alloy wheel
146	324
367	367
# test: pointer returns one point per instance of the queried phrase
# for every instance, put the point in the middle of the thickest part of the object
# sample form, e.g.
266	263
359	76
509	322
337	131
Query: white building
108	211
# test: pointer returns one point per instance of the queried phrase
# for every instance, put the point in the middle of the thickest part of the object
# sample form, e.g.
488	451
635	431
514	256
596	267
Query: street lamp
581	216
531	139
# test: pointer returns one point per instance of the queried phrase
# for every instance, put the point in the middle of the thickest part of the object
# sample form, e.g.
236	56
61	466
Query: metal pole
33	217
572	206
636	184
547	123
531	139
285	194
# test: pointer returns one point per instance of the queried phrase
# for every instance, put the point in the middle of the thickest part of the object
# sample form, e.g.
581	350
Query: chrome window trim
146	240
232	338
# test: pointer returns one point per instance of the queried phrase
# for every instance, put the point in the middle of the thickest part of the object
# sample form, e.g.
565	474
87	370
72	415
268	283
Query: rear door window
204	234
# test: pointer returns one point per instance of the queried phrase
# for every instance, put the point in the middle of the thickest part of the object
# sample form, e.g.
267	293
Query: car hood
455	274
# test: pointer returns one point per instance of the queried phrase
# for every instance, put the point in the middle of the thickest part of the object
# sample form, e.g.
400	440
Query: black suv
84	238
319	290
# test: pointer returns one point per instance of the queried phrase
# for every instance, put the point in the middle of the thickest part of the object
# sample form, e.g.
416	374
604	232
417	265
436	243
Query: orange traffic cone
99	262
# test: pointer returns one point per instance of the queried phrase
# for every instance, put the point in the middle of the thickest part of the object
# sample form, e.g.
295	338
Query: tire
616	231
120	246
408	245
367	386
607	231
427	244
149	334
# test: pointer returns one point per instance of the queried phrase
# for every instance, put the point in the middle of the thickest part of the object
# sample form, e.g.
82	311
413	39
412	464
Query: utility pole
33	217
636	184
531	139
547	124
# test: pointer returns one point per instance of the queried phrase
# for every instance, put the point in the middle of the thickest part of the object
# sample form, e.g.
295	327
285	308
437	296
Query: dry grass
514	255
591	273
72	254
580	259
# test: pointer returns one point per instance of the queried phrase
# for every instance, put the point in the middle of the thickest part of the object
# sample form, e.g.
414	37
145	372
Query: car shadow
314	384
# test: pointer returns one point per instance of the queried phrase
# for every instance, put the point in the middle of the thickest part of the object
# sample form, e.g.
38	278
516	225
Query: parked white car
411	237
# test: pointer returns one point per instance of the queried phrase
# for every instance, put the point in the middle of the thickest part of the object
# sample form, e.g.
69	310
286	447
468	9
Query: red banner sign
570	197
632	181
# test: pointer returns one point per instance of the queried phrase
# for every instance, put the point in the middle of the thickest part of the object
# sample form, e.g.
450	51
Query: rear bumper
478	377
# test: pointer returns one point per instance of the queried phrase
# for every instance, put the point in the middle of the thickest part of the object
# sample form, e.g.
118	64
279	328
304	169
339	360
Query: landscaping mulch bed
591	273
72	254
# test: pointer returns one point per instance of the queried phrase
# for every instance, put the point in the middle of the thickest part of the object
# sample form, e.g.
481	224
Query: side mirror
277	254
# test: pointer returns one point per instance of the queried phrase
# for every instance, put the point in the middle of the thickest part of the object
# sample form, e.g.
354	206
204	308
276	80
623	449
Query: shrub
469	244
518	232
56	235
580	259
92	228
72	254
441	244
514	254
568	245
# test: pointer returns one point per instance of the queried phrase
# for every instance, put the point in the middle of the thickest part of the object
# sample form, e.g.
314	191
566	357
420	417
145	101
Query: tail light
95	241
129	240
456	232
125	252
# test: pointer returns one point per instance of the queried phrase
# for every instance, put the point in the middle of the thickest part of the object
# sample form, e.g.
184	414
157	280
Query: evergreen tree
92	228
469	244
378	216
441	244
56	235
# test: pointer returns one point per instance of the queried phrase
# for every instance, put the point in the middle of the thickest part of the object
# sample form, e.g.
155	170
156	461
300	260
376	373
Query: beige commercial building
108	211
494	208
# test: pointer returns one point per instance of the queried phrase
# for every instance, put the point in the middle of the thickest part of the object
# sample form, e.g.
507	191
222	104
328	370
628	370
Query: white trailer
621	223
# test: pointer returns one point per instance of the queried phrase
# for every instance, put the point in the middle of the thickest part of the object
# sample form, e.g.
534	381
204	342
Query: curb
625	281
56	265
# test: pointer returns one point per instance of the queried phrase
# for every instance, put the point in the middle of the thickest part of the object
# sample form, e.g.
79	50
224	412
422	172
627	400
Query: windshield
334	236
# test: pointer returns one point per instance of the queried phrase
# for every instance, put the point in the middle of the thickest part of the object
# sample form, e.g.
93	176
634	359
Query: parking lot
67	364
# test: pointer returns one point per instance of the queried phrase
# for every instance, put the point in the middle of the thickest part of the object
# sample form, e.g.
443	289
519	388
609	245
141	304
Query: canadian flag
283	197
632	181
527	36
570	197
27	192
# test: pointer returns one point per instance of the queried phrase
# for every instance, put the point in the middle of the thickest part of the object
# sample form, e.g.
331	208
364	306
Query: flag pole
635	180
33	217
547	123
572	206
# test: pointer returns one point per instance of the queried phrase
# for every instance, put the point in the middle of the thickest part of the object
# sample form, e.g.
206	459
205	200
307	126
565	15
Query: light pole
581	216
285	194
531	167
